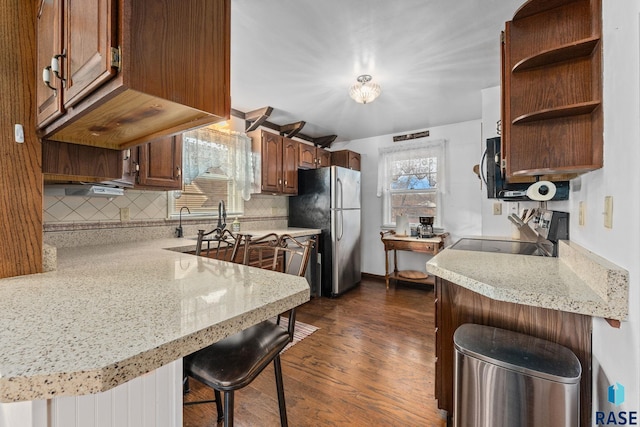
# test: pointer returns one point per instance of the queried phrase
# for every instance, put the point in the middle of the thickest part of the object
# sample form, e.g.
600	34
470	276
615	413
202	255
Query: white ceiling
431	58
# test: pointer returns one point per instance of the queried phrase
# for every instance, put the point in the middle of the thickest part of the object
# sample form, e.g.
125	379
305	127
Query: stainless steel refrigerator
329	199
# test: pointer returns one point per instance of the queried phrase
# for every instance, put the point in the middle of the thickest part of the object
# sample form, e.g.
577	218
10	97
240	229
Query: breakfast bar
111	313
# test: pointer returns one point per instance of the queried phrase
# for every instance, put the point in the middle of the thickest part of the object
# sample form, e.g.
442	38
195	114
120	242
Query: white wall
461	204
616	352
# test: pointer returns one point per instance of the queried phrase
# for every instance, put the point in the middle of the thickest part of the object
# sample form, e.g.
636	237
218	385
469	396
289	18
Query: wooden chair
220	244
234	362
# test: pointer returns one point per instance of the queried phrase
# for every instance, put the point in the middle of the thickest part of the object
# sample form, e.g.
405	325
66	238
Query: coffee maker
425	228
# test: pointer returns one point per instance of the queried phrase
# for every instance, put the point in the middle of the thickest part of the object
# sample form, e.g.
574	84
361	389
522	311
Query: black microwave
497	185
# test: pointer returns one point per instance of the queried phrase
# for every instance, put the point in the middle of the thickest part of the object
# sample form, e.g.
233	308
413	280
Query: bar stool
234	362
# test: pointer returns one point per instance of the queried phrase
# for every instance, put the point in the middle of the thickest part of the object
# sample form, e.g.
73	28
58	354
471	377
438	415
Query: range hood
83	190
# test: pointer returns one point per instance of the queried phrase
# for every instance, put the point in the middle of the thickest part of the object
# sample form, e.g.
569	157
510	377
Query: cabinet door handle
55	66
285	182
46	78
178	172
279	182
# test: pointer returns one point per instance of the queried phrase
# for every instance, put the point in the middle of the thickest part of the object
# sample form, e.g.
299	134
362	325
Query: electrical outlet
608	211
124	215
581	213
497	208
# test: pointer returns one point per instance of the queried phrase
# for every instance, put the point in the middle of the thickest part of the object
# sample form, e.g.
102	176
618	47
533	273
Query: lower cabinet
456	305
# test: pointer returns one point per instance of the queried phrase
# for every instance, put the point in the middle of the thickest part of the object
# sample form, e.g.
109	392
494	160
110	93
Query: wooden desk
391	241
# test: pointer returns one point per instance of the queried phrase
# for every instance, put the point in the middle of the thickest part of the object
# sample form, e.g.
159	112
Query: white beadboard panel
23	414
105	409
152	400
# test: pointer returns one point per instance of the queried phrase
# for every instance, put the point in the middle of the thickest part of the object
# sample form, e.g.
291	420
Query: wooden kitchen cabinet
323	157
155	165
72	162
74	52
552	118
278	165
159	164
133	71
311	157
346	159
456	305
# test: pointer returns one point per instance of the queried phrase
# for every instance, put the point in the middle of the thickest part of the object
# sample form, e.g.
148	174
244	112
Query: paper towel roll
541	191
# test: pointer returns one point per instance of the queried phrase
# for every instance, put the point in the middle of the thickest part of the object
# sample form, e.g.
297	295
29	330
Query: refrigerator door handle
340	204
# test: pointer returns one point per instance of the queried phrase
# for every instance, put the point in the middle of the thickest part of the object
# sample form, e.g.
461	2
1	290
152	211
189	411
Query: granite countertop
577	281
110	313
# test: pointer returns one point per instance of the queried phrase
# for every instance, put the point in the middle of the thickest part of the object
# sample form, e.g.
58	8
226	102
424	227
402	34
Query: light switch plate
608	211
581	213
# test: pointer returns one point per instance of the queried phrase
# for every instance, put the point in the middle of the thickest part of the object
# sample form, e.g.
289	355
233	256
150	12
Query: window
410	181
216	166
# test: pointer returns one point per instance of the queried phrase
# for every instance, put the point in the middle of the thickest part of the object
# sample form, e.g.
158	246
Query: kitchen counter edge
75	264
577	281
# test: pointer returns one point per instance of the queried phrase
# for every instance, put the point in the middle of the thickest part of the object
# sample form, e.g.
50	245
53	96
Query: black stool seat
235	361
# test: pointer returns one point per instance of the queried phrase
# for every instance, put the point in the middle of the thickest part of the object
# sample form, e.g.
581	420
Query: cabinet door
49	100
271	162
90	32
323	157
289	166
354	161
161	163
346	159
307	156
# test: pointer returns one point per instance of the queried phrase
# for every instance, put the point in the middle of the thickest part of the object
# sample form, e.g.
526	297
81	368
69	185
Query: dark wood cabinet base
456	305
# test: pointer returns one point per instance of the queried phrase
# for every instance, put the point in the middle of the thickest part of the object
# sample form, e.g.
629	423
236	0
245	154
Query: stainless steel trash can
507	379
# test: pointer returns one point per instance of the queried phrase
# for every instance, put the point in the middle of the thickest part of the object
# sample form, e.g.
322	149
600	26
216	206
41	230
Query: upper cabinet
312	157
115	74
277	167
158	164
552	118
155	165
346	159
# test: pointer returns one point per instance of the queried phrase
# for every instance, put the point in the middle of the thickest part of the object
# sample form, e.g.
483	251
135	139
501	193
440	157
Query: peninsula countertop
110	313
576	281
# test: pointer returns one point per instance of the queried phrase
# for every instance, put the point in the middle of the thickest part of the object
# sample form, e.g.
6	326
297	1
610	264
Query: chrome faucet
222	215
179	232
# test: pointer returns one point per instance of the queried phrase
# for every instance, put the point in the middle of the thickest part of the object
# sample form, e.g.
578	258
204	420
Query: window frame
234	202
384	178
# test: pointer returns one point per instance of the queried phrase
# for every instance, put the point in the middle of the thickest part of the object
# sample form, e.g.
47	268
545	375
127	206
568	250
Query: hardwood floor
371	363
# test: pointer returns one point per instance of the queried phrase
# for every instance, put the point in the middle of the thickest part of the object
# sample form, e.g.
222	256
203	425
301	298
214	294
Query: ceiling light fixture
364	91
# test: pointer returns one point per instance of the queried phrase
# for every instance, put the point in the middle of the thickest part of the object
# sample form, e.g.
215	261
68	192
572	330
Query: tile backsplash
79	221
143	206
